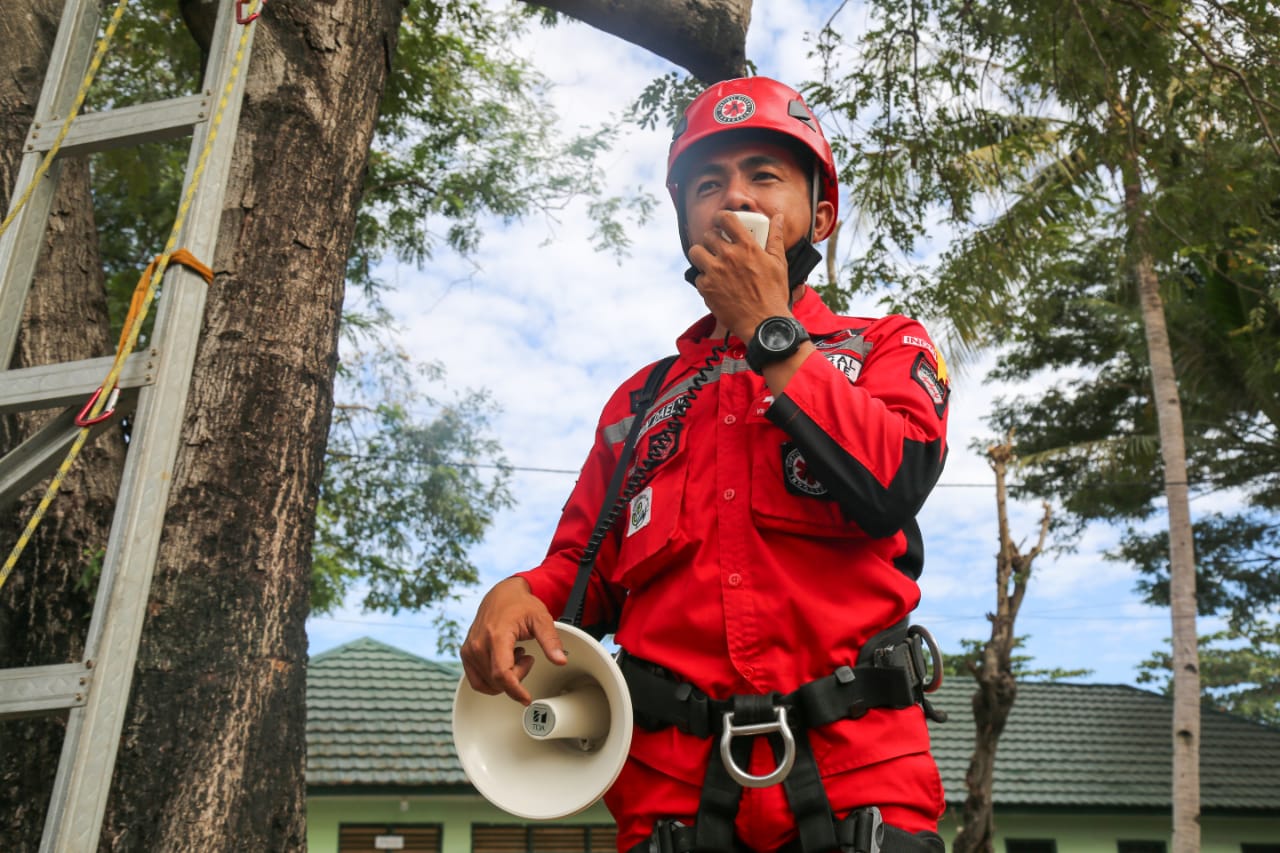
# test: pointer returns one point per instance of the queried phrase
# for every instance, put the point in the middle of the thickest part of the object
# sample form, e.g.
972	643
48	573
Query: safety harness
891	673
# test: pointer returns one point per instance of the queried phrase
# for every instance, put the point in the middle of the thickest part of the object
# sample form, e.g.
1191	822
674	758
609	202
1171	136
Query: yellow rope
129	337
98	53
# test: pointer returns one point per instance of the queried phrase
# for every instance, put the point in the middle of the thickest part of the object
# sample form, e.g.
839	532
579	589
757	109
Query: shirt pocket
651	527
785	494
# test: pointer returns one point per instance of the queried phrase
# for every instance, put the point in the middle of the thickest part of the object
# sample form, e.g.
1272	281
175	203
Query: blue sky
550	328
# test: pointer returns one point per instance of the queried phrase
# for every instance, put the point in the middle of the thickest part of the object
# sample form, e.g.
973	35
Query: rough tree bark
997	690
212	753
44	606
708	38
224	648
213	750
1182	561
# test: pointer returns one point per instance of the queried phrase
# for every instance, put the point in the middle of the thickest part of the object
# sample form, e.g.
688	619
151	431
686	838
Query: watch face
777	336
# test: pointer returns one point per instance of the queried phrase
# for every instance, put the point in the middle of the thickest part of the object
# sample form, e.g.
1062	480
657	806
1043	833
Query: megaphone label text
539	720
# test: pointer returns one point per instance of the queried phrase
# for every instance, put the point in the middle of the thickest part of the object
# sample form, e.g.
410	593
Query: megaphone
559	755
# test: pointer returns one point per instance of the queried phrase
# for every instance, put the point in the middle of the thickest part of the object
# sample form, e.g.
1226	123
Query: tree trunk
992	704
1182	567
45	604
997	689
27	31
213	750
708	38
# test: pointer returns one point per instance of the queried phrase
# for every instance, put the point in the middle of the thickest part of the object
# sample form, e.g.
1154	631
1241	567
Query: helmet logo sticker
734	108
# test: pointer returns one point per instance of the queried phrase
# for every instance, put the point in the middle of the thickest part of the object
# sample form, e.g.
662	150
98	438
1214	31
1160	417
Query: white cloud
550	328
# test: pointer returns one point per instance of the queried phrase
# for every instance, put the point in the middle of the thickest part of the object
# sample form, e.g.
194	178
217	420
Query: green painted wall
454	813
1098	833
1074	833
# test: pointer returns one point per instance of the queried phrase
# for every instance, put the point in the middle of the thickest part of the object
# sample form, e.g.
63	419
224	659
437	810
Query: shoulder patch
846	350
917	341
847	363
927	378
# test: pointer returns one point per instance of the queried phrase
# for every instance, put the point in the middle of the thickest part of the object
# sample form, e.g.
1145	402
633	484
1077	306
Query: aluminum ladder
94	692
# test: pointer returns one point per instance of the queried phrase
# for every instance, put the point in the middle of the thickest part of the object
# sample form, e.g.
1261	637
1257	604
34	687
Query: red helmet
753	103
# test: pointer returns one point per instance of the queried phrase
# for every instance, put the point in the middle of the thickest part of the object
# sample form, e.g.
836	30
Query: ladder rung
52	386
153	122
34	690
40	455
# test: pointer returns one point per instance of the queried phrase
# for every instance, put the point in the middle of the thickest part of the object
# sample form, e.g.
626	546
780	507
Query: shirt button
735	579
748	670
728	494
730	419
738	351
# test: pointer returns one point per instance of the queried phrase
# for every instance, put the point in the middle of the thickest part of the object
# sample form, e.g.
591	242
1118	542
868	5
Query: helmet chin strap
801	259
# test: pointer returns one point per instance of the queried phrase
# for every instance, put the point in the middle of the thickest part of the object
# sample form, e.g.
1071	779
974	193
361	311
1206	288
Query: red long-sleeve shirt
779	534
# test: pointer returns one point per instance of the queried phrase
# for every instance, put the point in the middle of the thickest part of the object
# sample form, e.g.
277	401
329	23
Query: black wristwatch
776	338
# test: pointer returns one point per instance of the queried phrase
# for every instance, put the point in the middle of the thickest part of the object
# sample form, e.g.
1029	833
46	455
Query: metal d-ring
935	658
779	724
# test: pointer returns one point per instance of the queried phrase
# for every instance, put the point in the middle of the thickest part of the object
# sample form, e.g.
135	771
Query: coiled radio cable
659	449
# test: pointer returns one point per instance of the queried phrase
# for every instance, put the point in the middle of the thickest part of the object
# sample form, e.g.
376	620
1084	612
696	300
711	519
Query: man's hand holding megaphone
492	657
559	753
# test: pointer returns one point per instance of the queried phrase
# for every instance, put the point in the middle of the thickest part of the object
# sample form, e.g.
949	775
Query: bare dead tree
997	689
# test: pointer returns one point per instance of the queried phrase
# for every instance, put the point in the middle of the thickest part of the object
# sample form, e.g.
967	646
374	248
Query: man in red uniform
765	558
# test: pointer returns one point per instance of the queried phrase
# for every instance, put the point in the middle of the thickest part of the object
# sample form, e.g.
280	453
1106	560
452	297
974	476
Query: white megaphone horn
560	754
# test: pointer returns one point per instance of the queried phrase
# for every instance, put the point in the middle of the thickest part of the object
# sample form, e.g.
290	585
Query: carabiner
83	419
241	17
779	725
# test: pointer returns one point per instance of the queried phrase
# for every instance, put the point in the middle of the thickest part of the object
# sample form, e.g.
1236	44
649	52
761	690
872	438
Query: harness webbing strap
863	831
660	700
887	676
808	799
718	808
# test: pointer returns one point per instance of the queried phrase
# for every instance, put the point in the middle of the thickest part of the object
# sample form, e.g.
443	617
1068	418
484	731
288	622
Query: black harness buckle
862	831
694	722
669	836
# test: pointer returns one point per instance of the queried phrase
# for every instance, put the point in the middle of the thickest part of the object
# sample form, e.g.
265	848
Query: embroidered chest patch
796	473
641	510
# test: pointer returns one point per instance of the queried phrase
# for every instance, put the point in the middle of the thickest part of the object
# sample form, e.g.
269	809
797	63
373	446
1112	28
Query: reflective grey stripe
857	344
616	433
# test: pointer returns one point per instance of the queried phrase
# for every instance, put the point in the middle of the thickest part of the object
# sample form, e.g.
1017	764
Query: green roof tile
1105	746
380	716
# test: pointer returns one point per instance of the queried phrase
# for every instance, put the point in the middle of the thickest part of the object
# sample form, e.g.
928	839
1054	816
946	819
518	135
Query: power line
453	463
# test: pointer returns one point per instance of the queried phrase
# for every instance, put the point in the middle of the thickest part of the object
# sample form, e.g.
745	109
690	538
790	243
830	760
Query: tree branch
708	38
1255	101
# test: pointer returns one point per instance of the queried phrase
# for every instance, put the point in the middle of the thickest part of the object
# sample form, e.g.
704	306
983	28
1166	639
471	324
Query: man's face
753	175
